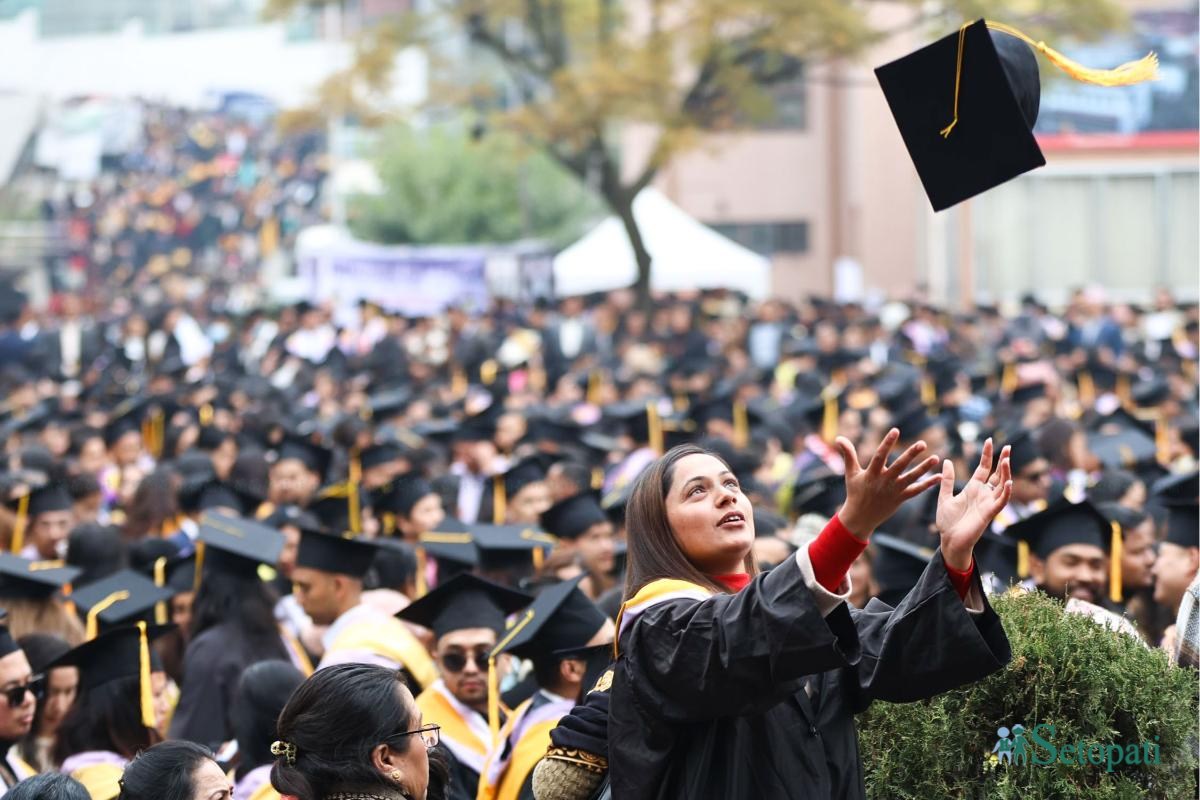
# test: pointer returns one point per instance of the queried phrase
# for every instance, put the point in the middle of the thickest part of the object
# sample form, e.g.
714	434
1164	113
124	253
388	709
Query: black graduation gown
708	699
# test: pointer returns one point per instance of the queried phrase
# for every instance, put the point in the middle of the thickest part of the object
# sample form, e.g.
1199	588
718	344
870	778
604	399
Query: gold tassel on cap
493	679
353	501
829	417
146	690
1162	440
1087	389
1115	588
594	385
199	565
597	478
18	534
92	626
1009	380
160	580
499	500
654	424
1023	559
741	424
422	561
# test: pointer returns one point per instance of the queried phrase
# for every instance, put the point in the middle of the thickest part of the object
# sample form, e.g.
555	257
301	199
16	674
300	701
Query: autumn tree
564	75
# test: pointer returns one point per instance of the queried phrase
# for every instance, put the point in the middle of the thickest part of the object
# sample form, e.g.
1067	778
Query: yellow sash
656	592
436	708
20	767
390	638
102	781
525	756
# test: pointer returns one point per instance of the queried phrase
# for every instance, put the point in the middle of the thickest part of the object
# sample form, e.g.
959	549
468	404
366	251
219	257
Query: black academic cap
293	516
896	566
401	494
389	403
113	655
1024	450
125	418
481	426
50	497
314	457
1061	524
23	578
1179	493
572	516
561	618
7	643
206	493
382	453
465	601
1028	393
521	474
122	598
821	492
237	545
1150	393
914	421
504	546
965	106
336	554
331	505
1121	440
451	542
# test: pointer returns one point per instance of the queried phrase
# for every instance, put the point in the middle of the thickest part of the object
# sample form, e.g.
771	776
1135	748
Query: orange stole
436	708
525	755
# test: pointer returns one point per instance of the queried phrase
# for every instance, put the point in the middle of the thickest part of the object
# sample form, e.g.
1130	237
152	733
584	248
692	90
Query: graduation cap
122	598
966	106
401	494
314	457
465	601
1028	393
1151	393
1064	523
517	477
335	554
643	422
293	516
1179	494
1121	440
896	566
236	545
504	547
451	543
378	454
821	492
561	618
570	517
1024	449
914	421
7	643
388	403
24	578
479	427
728	407
207	493
120	653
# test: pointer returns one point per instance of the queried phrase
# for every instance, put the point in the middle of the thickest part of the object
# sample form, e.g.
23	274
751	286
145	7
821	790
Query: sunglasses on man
15	695
455	661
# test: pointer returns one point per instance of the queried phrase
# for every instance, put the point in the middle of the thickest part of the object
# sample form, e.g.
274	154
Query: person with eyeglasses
20	690
466	615
354	732
60	687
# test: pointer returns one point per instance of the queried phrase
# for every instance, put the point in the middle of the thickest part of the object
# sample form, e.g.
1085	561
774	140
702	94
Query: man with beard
1066	548
16	709
467	615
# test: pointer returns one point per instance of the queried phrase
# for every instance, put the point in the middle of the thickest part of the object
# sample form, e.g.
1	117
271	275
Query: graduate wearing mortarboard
467	616
583	528
45	516
1178	565
17	684
549	633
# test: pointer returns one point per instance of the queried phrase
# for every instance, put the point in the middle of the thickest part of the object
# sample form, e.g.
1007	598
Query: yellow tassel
68	603
353	501
199	565
1162	441
206	415
597	478
499	500
593	387
488	371
1023	559
928	393
1115	588
422	560
1087	389
160	580
494	679
389	523
1124	393
1009	380
654	423
18	534
146	689
1127	74
829	419
539	558
458	382
741	424
92	626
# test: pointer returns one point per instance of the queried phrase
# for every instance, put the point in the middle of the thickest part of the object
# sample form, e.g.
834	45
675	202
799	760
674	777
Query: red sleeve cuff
832	553
961	580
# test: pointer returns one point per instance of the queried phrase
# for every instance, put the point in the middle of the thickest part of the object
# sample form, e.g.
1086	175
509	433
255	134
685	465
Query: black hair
48	786
243	601
164	772
1111	486
394	567
262	693
576	473
97	549
41	649
81	436
107	717
82	486
334	720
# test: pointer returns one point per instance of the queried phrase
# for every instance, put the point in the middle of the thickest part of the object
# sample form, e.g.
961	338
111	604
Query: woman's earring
396	776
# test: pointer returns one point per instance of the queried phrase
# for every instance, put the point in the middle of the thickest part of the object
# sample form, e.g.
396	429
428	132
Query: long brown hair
653	550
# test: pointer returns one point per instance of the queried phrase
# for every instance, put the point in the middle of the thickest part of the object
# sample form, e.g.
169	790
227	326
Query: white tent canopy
685	254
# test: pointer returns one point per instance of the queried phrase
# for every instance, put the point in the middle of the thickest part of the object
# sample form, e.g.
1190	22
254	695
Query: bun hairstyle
163	772
329	727
262	693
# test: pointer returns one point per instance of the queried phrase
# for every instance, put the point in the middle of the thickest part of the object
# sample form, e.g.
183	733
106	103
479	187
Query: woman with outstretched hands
732	684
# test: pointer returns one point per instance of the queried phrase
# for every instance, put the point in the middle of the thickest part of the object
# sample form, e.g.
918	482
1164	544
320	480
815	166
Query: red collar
734	582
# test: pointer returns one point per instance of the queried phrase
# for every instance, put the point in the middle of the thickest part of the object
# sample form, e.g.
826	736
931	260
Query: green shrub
1092	684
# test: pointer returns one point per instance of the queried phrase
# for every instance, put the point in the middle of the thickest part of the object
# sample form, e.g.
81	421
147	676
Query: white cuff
827	601
973	602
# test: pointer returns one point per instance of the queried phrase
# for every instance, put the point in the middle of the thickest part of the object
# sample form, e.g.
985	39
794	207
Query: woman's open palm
962	518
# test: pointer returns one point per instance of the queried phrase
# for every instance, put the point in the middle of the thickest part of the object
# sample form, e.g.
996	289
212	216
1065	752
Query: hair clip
285	749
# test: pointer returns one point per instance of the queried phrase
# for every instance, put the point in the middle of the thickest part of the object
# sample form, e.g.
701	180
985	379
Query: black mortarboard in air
1061	524
237	545
335	554
561	618
313	456
572	516
465	601
1180	495
122	598
23	578
896	566
968	125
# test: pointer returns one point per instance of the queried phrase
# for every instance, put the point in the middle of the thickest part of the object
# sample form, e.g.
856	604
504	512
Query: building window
767	238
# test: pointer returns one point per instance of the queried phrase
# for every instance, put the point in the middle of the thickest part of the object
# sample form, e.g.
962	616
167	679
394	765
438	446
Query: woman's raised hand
875	492
962	518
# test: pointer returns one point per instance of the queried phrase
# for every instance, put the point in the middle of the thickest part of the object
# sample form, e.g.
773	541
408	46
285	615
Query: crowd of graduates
244	544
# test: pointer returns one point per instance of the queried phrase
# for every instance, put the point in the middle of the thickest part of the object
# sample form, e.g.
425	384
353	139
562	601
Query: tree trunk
624	210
